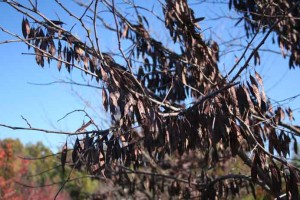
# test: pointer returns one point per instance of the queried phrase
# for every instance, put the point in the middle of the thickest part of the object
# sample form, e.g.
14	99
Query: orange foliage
12	169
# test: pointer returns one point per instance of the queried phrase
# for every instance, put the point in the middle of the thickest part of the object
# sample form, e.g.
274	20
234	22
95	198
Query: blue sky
42	106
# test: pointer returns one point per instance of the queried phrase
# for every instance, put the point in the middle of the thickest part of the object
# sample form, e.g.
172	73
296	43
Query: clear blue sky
42	106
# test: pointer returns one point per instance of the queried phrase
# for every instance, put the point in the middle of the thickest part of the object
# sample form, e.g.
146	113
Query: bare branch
52	131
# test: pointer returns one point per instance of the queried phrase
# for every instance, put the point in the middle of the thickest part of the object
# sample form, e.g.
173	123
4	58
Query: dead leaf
84	126
59	63
105	100
125	31
253	81
25	27
256	94
52	49
64	156
183	78
86	62
281	113
114	97
76	154
289	112
141	108
103	74
258	78
256	58
255	164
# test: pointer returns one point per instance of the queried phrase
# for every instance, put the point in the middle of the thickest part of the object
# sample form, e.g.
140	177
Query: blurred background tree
34	172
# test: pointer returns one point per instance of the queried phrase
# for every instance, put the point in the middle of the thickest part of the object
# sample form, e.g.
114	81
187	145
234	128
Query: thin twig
26	121
95	29
60	182
119	37
43	172
68	82
38	158
64	182
242	56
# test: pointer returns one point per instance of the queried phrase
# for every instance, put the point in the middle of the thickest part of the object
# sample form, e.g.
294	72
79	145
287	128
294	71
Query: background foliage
33	172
